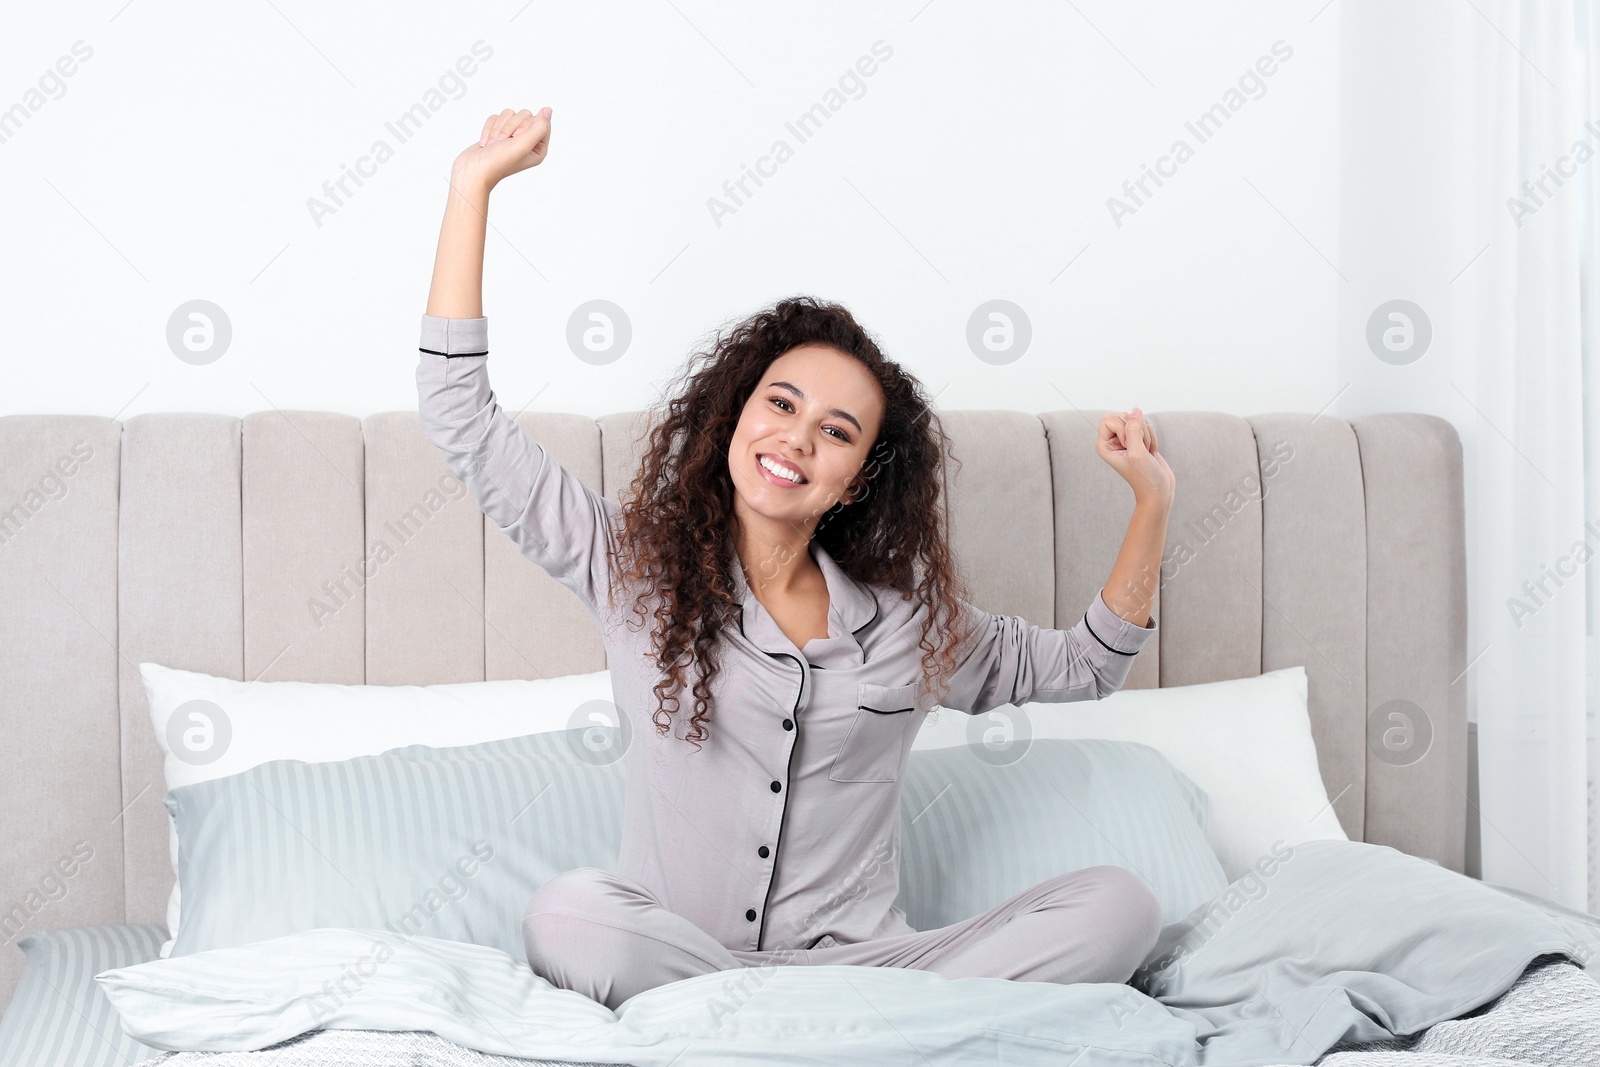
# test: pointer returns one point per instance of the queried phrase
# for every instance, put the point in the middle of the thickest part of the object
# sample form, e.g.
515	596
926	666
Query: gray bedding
1550	1016
1337	950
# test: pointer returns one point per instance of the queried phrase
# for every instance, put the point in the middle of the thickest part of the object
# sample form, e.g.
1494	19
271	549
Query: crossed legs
607	937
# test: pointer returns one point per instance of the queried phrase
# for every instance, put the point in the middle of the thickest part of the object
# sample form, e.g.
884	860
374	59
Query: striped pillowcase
451	842
438	842
974	833
60	1016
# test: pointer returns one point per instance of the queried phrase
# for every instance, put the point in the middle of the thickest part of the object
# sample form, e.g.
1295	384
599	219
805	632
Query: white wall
976	165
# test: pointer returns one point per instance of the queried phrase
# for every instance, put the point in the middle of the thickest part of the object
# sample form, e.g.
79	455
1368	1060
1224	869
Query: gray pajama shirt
780	835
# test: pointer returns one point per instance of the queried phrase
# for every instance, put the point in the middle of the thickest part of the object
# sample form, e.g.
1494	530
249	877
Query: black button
776	787
788	724
763	852
750	914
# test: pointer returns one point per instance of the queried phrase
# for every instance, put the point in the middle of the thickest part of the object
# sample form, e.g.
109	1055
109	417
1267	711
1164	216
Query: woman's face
816	412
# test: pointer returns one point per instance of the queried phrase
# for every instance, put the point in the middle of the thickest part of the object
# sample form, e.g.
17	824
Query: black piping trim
788	773
761	931
874	618
1097	637
451	355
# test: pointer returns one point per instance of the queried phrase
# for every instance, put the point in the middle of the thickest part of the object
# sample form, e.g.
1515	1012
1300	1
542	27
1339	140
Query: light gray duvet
1550	1017
1339	944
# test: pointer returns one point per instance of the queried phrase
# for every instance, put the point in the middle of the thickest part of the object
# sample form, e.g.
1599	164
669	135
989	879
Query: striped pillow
974	831
60	1016
440	842
451	842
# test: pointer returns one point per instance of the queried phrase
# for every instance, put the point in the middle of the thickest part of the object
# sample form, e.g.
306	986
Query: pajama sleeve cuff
443	336
1113	631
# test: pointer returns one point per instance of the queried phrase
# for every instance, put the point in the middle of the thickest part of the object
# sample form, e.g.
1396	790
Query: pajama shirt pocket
872	750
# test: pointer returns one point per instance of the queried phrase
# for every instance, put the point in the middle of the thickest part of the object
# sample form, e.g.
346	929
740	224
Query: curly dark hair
673	539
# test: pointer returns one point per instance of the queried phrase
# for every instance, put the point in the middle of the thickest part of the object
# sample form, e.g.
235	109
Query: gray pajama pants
605	936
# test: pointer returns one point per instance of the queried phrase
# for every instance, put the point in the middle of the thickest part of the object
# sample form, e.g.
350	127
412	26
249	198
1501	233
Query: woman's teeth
780	470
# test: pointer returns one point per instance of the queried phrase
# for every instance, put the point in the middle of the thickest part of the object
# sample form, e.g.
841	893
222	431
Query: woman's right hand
511	141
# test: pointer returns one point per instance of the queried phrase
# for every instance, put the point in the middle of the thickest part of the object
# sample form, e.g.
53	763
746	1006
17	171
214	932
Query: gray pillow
451	842
436	842
59	1016
975	831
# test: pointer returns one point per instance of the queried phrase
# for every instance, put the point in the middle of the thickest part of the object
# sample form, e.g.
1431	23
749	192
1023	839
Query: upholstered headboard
235	547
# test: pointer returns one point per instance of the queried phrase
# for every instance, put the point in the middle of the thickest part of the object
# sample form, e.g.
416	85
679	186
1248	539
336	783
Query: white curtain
1525	319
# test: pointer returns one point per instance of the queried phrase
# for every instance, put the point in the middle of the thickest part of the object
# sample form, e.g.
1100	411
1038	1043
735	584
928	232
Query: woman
786	533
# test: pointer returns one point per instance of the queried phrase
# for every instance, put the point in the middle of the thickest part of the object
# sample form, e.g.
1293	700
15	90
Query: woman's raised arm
556	521
511	141
1013	661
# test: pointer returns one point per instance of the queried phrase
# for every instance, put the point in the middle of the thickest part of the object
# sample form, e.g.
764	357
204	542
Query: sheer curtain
1527	330
1587	26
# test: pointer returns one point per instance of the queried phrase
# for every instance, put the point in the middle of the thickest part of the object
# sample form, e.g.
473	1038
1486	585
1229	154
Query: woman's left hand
1128	443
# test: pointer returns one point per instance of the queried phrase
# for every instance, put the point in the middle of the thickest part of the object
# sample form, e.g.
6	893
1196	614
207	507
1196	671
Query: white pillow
1245	741
241	725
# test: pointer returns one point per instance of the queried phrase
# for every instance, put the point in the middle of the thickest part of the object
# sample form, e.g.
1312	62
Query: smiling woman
803	414
787	532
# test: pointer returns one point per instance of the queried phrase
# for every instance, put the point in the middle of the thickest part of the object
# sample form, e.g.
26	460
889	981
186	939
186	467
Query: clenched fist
511	141
1128	443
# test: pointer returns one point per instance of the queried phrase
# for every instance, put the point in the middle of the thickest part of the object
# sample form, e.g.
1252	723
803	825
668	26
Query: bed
205	543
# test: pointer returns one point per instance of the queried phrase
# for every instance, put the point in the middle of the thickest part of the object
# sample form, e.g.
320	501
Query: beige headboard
206	542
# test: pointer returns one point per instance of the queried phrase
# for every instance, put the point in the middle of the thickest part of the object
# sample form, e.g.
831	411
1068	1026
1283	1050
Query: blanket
1549	1017
1328	945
